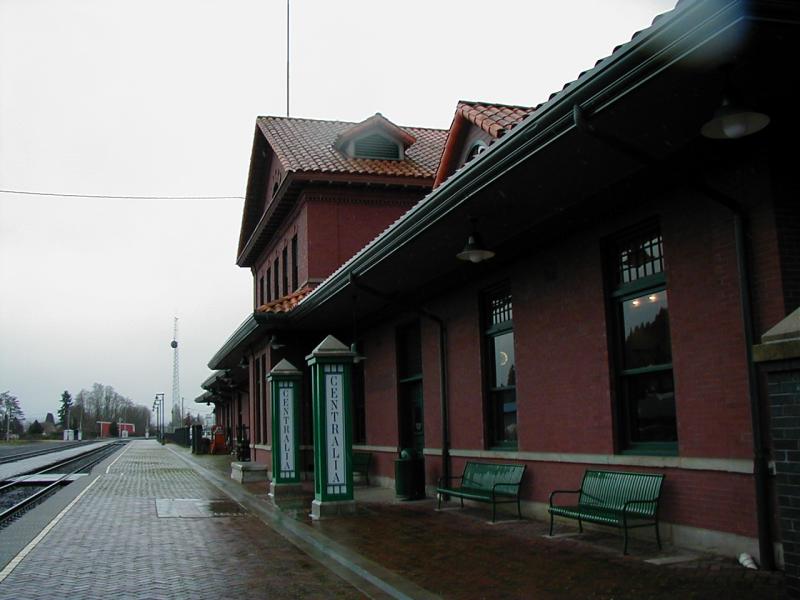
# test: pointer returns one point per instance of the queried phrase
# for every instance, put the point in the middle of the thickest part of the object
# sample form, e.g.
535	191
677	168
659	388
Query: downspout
760	471
354	280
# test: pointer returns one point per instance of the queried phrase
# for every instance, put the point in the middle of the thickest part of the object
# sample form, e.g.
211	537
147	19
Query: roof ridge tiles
340	122
495	104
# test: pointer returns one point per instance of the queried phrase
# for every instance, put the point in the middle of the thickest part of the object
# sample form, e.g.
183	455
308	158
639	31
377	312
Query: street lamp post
155	410
160	402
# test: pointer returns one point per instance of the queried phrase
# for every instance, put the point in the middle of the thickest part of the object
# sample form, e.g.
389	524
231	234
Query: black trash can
409	475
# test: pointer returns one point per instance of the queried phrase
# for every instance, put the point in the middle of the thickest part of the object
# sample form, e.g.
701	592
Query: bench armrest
552	494
650	501
514	485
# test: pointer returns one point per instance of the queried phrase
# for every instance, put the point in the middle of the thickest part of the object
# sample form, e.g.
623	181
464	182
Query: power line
101	196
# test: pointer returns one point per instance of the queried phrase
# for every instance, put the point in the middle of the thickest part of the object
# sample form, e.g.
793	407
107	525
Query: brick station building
642	237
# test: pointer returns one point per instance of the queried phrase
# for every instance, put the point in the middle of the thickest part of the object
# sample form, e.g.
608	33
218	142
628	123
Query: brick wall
784	397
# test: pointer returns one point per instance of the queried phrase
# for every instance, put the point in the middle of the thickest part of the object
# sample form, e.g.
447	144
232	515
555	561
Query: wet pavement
113	543
163	523
455	553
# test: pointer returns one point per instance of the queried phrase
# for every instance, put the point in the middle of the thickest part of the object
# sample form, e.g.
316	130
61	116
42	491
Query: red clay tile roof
494	119
286	303
307	145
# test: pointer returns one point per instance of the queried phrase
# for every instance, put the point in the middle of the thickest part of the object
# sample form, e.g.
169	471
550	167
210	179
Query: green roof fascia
253	328
248	327
653	50
212	379
204	398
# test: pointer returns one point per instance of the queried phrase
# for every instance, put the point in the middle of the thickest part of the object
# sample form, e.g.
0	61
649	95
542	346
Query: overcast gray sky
159	98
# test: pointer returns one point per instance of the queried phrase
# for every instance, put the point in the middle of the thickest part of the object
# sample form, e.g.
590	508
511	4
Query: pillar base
284	491
248	472
328	509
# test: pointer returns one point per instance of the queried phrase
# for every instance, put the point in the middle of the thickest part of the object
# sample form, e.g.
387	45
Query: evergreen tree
10	411
35	428
63	411
113	430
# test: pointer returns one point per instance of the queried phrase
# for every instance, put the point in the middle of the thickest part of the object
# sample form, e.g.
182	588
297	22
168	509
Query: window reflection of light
652	297
636	302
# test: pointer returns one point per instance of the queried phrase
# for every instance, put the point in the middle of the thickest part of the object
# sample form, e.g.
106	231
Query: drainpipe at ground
354	280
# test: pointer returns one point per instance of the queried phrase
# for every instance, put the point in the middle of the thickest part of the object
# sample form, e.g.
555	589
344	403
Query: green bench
617	499
361	461
484	482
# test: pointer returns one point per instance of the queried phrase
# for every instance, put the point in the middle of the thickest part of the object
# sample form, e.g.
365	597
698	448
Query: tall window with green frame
501	382
645	395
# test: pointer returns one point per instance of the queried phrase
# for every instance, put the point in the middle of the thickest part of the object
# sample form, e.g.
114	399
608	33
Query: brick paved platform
112	543
460	554
166	524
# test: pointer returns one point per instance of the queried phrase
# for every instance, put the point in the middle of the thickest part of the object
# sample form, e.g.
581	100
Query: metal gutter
248	327
651	52
211	379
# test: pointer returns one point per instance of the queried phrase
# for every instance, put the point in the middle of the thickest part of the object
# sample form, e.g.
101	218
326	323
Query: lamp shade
474	251
732	122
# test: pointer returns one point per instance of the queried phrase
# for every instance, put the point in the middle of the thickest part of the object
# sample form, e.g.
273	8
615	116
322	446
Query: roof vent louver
376	146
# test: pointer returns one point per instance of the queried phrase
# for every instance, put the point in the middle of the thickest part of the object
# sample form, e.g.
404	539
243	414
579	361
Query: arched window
476	149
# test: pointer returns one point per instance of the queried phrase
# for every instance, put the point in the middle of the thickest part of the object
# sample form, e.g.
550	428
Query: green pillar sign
285	380
331	363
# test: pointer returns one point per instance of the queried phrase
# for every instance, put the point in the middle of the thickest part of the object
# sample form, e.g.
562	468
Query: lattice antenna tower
176	378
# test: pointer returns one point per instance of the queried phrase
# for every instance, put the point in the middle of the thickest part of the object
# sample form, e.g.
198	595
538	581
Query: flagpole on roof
287	58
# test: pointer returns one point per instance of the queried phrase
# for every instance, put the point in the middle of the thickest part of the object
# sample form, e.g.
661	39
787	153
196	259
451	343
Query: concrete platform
45	478
38	462
112	541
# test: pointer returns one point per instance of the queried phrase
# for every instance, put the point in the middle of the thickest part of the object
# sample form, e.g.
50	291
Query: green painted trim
278	384
635	288
232	344
505	447
331	365
649	369
652	449
500	328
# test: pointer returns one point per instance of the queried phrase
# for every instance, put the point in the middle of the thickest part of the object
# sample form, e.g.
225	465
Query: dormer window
376	146
376	138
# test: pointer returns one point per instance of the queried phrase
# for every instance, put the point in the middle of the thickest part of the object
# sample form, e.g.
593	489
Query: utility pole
287	58
176	381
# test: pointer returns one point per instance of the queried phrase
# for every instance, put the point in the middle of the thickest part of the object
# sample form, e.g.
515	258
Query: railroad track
9	458
17	497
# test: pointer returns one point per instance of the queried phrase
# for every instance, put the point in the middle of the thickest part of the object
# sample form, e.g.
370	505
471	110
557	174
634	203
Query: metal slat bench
485	482
361	462
617	499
